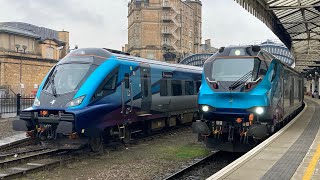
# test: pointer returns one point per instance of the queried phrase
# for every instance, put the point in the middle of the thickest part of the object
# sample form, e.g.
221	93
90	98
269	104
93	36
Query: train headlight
75	102
36	102
205	108
259	110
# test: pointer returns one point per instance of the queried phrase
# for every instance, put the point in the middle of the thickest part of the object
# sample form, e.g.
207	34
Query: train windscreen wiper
53	87
241	80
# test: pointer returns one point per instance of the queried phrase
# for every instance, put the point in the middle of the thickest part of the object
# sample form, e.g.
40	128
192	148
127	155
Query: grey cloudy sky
103	23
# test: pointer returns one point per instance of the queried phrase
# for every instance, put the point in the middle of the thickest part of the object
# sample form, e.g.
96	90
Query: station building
27	53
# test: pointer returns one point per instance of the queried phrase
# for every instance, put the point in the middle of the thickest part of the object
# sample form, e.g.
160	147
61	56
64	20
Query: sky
103	23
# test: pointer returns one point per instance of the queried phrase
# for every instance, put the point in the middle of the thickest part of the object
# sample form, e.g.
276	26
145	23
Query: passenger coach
93	95
245	96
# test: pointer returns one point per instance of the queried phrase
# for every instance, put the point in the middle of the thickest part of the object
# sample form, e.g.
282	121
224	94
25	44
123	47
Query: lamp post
24	47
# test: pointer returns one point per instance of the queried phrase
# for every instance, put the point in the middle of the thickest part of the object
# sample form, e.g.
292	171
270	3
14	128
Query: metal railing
15	103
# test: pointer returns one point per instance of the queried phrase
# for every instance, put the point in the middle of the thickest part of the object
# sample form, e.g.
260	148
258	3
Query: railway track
17	144
15	163
205	167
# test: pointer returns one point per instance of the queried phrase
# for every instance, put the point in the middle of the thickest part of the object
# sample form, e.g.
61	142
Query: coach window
189	88
176	88
163	87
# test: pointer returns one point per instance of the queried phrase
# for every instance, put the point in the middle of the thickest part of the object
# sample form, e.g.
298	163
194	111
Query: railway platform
291	153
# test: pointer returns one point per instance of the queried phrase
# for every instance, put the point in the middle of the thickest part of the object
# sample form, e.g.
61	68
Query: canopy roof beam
291	7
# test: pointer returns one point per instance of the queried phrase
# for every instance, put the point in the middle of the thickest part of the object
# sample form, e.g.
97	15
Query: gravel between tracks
146	160
6	128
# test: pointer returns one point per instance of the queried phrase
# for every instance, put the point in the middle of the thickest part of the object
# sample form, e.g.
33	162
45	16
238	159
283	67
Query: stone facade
27	53
33	69
159	27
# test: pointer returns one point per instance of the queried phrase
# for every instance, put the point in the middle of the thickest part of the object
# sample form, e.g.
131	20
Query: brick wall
33	70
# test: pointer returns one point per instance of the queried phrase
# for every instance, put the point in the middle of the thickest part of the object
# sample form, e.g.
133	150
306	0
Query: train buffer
291	153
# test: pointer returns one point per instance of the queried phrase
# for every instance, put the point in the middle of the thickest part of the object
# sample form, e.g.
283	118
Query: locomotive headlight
36	102
205	108
75	102
259	110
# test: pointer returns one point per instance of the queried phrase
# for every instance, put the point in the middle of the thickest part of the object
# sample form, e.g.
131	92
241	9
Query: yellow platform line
312	165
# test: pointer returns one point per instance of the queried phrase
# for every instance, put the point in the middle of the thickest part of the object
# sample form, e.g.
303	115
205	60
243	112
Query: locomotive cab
61	95
240	97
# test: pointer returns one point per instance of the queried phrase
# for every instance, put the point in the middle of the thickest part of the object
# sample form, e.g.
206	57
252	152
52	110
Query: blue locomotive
93	95
246	94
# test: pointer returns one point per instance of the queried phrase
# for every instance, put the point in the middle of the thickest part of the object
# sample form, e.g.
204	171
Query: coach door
146	95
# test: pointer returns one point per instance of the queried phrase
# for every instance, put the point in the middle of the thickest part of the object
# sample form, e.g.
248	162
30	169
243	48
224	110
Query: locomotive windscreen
68	77
233	69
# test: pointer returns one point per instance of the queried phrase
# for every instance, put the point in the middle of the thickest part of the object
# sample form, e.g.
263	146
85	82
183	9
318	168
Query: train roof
246	51
249	50
103	53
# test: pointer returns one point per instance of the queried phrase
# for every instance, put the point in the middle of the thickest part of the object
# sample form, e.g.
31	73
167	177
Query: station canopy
295	22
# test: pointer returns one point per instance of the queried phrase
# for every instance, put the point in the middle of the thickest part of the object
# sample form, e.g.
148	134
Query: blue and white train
246	94
93	95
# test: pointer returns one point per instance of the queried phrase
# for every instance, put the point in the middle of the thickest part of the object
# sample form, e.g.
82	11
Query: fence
14	103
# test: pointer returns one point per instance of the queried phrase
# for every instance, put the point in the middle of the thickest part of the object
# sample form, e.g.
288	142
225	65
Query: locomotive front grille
51	120
67	117
25	115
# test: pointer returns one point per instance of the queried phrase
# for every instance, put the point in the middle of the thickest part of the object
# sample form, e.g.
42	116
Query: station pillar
318	88
313	83
308	88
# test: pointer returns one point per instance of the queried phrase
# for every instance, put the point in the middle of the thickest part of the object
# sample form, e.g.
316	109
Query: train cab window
274	73
108	86
176	88
111	83
198	84
163	87
126	80
263	68
189	88
145	88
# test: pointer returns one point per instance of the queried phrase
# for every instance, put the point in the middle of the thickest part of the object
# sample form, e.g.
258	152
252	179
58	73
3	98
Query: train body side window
163	87
176	88
189	88
108	86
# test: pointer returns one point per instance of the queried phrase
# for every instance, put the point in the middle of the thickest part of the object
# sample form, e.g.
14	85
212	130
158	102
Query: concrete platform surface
291	153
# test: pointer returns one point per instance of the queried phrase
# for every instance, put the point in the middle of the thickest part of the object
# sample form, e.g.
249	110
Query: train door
126	95
146	94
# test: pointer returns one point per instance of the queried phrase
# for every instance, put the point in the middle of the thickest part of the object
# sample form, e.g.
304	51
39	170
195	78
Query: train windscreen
66	78
235	69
